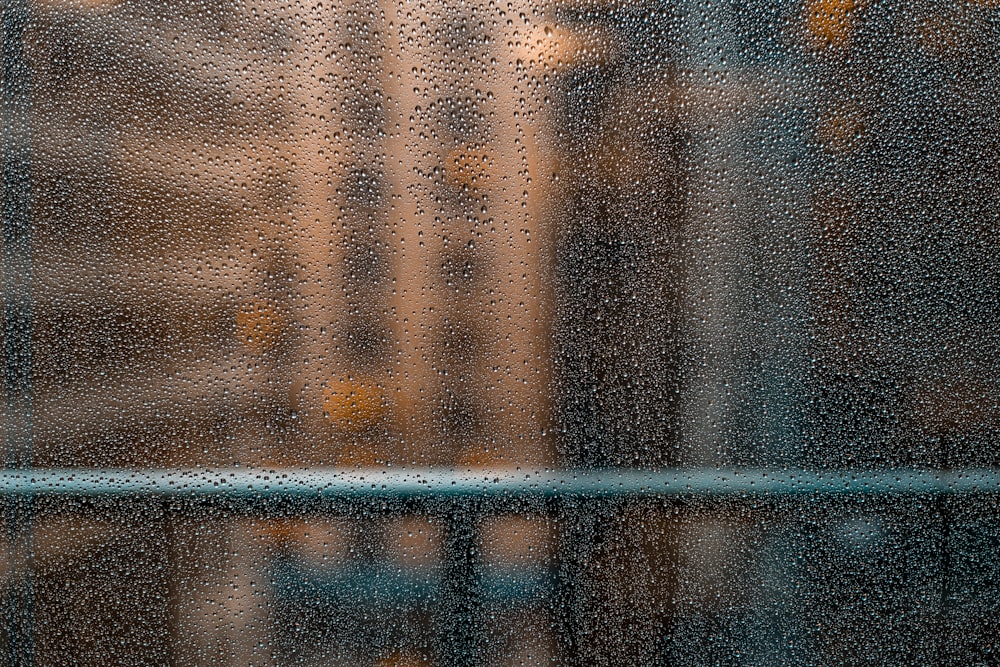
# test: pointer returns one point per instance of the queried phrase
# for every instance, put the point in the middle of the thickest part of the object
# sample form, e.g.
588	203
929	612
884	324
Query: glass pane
568	332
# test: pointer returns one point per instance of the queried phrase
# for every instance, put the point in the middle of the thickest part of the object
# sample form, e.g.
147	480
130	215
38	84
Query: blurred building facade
280	234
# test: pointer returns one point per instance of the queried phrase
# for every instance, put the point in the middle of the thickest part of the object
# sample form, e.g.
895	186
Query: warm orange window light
831	22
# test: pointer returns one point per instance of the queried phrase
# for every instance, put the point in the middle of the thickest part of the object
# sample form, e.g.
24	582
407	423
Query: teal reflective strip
444	483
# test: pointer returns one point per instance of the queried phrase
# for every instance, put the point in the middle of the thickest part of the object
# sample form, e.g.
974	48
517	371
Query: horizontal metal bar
331	484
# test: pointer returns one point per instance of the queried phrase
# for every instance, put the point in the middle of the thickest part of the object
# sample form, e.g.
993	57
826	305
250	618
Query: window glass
501	332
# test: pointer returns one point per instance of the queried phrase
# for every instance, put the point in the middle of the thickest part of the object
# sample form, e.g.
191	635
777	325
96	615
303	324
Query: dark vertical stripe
15	288
459	622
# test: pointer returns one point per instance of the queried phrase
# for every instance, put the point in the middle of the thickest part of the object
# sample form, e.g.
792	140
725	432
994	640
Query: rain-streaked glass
556	332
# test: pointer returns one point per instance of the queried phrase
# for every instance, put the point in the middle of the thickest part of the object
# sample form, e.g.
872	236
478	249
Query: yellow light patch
351	405
259	326
831	22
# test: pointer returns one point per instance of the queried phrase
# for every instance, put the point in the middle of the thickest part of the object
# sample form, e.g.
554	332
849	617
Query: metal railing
256	489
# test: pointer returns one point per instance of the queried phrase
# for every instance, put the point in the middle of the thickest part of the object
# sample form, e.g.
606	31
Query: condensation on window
500	332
